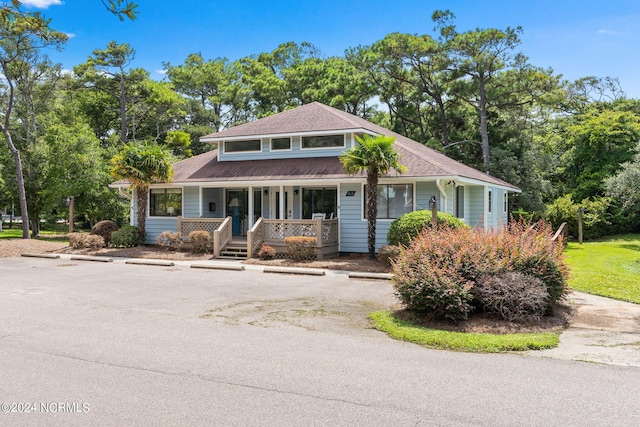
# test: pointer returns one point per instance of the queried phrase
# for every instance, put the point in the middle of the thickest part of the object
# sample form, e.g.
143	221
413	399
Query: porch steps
234	250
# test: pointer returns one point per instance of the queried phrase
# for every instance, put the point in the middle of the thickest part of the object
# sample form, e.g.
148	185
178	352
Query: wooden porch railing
255	237
222	236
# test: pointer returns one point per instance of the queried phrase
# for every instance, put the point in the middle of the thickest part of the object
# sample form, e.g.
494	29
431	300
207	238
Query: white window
165	202
242	146
505	202
490	202
323	141
280	144
394	200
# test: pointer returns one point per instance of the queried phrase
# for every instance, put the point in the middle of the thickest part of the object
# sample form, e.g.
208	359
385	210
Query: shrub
126	237
388	254
406	228
436	272
200	241
169	240
266	252
300	248
85	240
513	295
104	229
596	219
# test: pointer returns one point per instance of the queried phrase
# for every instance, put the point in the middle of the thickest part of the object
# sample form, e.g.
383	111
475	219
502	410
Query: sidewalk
602	330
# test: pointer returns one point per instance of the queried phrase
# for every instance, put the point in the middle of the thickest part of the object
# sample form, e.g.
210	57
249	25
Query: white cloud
42	4
608	32
70	35
163	72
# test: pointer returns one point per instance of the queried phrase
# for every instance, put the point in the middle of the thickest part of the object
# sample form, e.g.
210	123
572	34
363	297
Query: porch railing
222	236
255	237
187	225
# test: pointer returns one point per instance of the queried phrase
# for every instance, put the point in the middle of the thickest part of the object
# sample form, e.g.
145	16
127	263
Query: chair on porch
319	215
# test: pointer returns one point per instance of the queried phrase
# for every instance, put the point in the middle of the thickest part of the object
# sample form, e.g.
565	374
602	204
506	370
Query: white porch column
251	207
283	214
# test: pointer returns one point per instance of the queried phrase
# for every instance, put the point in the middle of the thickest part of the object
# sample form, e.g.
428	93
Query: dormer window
323	141
251	145
280	144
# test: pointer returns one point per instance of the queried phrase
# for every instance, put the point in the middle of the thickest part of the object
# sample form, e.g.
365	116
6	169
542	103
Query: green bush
300	248
169	240
409	226
596	219
436	272
126	237
105	228
513	295
200	241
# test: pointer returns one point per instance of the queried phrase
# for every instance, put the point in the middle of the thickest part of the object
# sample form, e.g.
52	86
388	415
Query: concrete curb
375	276
300	271
33	255
141	261
90	258
219	267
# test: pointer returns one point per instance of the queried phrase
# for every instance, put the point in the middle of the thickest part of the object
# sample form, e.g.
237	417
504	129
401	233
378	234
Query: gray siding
212	195
353	227
424	191
295	152
191	202
157	225
474	196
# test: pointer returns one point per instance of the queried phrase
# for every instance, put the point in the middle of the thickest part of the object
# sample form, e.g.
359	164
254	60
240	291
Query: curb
300	271
150	262
90	258
375	276
33	255
219	267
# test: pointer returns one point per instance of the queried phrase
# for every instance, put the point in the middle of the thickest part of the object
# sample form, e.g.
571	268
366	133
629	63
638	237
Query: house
280	176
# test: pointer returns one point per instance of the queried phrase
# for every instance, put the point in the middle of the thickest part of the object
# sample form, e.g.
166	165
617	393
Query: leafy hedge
409	226
436	273
126	237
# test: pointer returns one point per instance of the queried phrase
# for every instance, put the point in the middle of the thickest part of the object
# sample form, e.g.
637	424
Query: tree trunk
484	132
143	195
20	180
372	211
123	110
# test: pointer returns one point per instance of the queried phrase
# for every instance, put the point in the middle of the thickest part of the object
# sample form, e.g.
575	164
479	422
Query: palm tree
375	156
142	164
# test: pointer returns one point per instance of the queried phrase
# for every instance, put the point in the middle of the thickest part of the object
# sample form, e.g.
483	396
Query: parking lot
117	344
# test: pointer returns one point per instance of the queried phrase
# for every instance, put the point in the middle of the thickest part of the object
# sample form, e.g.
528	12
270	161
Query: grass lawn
461	341
609	267
16	233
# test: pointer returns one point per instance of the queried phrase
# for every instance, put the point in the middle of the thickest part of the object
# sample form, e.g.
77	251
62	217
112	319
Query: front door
237	203
287	203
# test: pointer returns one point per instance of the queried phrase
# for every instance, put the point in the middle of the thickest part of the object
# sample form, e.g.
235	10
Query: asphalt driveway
112	344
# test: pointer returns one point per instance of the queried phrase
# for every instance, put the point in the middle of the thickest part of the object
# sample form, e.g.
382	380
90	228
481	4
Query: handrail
222	236
255	237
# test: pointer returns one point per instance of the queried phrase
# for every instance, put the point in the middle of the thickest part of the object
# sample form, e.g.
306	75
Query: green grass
607	267
461	341
16	233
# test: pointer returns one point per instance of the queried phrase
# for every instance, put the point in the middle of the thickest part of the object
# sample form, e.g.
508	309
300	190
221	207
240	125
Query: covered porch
264	231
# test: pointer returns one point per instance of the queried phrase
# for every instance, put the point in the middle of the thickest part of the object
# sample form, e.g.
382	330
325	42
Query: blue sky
575	38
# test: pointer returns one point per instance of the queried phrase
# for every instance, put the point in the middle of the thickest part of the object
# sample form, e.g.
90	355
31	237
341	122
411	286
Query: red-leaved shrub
437	271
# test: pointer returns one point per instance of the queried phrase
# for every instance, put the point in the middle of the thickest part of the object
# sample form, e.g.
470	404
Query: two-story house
280	176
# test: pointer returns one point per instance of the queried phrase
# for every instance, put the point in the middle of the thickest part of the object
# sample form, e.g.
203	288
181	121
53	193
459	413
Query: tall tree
142	164
21	33
493	75
374	156
107	71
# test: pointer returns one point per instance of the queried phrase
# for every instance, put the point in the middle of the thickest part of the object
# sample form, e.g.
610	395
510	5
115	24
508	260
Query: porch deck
268	231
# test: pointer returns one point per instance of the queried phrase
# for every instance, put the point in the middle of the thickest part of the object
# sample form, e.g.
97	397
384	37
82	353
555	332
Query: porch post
251	207
281	202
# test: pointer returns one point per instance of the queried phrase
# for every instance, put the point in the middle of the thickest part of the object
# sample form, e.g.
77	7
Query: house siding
156	225
212	195
474	196
296	151
191	202
424	191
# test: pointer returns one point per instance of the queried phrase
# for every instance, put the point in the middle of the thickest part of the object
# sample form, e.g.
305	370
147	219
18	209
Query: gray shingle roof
421	161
